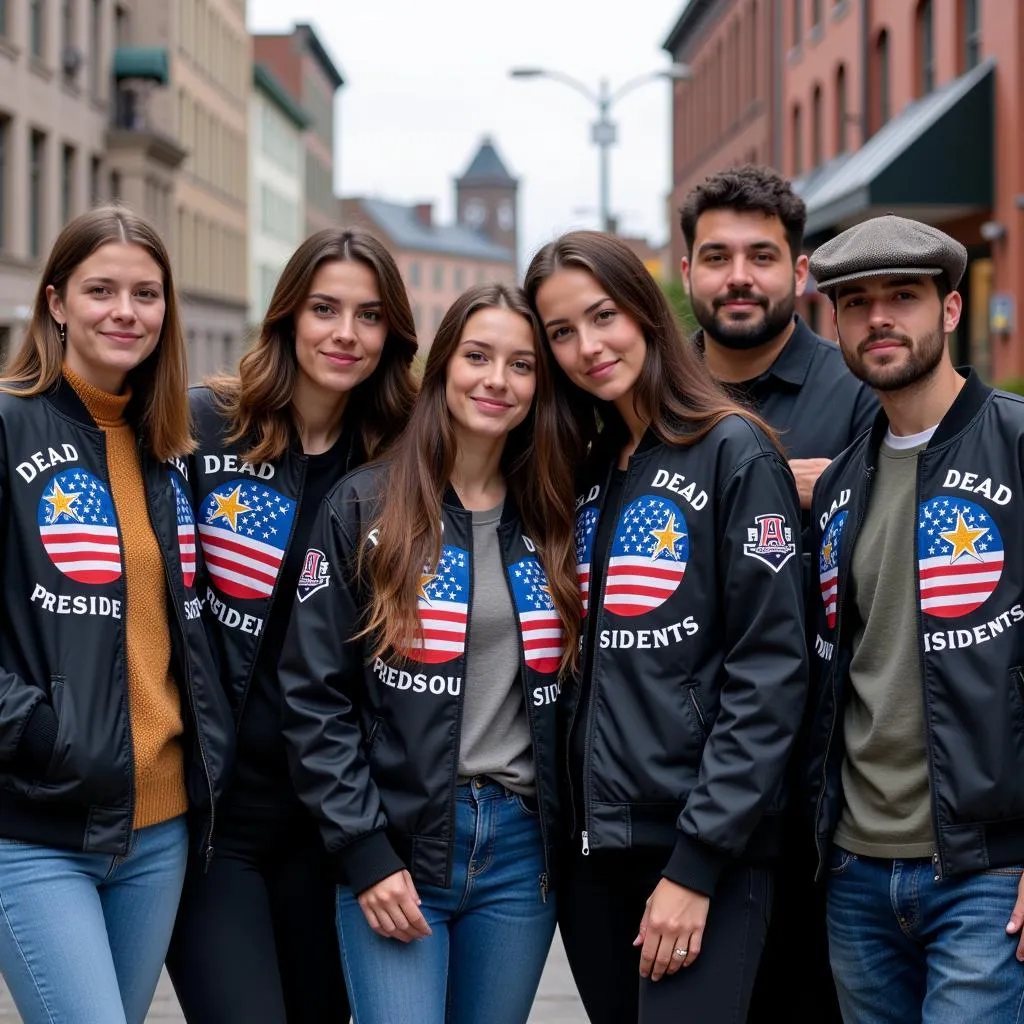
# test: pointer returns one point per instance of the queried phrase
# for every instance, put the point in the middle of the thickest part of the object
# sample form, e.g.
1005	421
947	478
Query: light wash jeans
491	929
83	935
907	949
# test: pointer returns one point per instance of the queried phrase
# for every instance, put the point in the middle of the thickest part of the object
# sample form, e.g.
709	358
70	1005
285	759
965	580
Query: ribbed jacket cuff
38	739
695	865
366	862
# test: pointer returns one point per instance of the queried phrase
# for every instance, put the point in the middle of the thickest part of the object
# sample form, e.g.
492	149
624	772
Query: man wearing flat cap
917	733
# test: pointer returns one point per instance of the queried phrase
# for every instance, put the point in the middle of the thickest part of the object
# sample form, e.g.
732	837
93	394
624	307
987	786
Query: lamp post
604	131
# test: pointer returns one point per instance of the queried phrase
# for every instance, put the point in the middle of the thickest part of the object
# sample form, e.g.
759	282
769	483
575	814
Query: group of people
338	685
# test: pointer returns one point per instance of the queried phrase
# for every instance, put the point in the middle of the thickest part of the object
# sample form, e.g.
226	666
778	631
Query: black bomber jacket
246	514
969	577
373	742
699	670
62	634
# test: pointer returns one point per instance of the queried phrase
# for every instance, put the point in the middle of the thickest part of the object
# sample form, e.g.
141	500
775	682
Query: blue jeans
83	935
491	929
907	949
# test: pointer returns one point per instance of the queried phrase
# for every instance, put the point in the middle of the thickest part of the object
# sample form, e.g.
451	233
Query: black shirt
262	776
809	397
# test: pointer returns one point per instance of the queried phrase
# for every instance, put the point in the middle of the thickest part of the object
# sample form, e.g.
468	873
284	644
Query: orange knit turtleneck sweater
154	702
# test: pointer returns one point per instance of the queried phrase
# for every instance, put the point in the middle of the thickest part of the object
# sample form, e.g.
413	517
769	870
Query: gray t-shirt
887	806
495	738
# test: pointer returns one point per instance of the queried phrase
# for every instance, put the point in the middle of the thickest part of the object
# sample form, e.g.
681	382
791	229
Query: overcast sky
425	80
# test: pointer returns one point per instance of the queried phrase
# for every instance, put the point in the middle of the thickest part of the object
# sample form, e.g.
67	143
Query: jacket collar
63	397
451	500
793	363
965	407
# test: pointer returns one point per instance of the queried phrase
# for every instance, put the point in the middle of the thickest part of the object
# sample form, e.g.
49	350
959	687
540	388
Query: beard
925	354
742	335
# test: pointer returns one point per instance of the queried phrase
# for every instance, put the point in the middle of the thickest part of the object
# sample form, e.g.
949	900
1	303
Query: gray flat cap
887	245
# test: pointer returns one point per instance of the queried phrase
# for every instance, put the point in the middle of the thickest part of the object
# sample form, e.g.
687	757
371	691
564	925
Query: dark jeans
255	937
795	972
601	900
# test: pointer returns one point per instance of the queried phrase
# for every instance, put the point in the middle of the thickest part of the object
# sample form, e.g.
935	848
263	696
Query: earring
63	332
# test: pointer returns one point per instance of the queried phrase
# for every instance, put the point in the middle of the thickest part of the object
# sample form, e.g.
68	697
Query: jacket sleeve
764	676
28	723
321	672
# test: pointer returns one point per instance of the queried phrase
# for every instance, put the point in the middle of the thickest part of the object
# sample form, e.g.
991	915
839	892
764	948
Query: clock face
506	215
475	212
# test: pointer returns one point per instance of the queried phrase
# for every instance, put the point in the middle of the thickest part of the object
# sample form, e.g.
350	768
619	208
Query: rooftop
486	168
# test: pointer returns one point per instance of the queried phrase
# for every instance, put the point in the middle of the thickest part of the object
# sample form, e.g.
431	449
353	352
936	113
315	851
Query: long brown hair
675	392
258	401
537	474
159	384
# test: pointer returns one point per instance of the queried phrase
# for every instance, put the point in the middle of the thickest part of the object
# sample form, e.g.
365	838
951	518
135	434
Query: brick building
903	106
300	62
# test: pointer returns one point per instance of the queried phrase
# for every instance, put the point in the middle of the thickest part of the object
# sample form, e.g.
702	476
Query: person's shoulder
742	434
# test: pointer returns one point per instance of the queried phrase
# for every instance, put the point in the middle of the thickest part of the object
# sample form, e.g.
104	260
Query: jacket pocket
696	716
371	736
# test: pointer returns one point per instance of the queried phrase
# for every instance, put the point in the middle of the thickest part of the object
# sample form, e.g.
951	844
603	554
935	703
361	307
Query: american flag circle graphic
186	533
586	525
959	556
78	527
648	556
244	528
541	626
828	566
443	606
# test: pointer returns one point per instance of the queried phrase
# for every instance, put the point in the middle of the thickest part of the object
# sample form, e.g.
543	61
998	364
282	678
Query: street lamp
604	132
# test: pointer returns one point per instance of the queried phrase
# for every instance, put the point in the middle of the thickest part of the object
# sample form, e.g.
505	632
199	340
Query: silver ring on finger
681	953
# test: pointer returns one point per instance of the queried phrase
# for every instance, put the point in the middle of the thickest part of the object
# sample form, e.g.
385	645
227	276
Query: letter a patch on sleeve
770	541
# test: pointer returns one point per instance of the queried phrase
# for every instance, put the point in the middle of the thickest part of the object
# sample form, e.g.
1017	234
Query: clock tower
485	198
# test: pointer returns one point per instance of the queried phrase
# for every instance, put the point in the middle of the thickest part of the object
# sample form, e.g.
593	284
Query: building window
752	42
67	183
841	115
798	21
925	48
458	279
122	27
115	187
67	40
414	274
798	153
36	175
971	21
438	277
5	126
36	28
95	47
817	156
882	74
95	180
4	28
816	16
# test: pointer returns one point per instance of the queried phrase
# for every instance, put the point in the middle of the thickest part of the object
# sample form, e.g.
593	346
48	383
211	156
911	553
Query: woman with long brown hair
113	725
420	682
679	726
327	385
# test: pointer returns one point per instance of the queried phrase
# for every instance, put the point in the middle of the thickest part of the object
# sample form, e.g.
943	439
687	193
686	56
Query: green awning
150	62
933	161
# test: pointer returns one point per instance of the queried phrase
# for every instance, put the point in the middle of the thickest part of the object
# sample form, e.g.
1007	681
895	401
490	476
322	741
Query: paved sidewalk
557	1002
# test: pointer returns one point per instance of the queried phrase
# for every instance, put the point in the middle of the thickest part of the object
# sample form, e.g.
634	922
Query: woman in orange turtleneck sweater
112	723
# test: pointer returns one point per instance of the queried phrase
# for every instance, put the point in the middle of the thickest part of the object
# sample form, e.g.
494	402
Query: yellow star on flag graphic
963	538
666	538
62	504
426	579
230	508
826	552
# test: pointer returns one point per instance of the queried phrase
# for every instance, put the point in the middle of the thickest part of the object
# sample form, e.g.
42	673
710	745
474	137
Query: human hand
392	908
1013	926
806	473
674	919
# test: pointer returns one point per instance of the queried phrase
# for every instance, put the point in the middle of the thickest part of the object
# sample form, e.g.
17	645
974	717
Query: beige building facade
206	111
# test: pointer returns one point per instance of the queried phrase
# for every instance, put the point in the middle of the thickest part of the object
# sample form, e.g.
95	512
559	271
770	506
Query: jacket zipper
531	720
697	711
594	605
208	852
845	556
936	858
